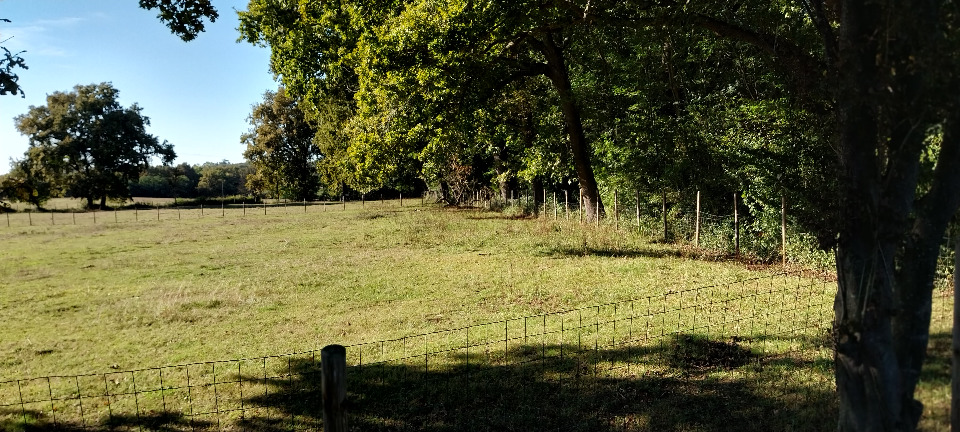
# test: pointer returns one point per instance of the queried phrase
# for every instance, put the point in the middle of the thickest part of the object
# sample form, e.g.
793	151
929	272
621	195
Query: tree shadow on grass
687	382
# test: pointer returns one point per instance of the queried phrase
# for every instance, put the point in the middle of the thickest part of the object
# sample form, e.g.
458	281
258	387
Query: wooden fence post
333	382
136	212
94	216
158	211
566	203
363	200
52	222
8	218
580	206
783	228
663	197
304	205
696	226
72	213
555	211
638	209
401	199
343	199
30	217
736	227
597	207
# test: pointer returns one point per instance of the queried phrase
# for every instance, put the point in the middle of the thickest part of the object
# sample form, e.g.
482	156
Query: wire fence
168	212
749	355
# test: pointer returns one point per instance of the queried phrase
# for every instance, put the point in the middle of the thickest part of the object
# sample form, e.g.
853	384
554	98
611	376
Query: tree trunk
867	373
103	202
579	148
889	241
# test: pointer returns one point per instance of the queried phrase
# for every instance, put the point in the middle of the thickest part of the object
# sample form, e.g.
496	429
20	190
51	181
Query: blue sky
197	94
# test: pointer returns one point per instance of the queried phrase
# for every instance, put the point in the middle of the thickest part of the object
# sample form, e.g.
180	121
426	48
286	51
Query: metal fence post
333	381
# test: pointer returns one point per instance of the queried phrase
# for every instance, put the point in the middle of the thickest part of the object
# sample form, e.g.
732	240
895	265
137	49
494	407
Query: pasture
134	293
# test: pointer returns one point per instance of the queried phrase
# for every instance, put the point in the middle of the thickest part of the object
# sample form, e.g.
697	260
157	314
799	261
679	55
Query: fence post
158	211
72	213
223	212
333	382
638	209
566	203
343	199
783	228
401	199
696	226
94	216
616	211
243	205
304	205
580	207
663	193
363	200
52	222
30	217
736	227
555	211
201	209
8	219
597	208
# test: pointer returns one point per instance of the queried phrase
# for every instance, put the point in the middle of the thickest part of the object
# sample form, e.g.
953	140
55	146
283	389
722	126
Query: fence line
53	217
764	337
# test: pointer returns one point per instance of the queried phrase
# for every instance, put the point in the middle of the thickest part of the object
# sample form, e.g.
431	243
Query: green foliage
85	144
280	148
183	17
223	179
166	182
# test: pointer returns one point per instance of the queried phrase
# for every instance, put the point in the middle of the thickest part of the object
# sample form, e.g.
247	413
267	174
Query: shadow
565	252
31	420
679	382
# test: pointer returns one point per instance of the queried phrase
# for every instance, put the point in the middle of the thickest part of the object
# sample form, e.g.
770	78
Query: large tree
887	69
87	145
280	147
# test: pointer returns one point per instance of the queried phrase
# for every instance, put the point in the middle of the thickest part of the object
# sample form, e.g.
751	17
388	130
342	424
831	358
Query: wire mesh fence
750	355
166	212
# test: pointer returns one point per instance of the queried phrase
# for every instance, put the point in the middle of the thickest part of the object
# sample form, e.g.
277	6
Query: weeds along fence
748	355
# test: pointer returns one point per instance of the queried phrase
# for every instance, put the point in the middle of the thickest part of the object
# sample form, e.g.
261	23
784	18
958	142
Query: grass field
131	292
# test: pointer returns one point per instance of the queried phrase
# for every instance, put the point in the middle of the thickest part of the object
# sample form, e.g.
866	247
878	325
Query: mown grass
131	292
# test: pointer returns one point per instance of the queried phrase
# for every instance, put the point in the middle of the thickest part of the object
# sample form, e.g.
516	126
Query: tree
280	147
24	183
223	179
9	61
87	145
887	68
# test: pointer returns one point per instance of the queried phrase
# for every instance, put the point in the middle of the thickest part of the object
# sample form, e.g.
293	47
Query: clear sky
197	94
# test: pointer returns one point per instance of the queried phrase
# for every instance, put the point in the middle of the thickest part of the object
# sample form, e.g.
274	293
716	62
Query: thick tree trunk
579	148
867	373
889	241
103	202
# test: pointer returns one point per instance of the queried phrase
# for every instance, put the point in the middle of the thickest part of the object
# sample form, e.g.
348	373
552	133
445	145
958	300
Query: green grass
130	292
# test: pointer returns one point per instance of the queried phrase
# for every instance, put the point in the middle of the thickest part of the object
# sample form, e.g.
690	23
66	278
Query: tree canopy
85	144
280	148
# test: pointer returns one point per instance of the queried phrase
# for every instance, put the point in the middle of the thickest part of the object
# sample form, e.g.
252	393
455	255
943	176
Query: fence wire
750	355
